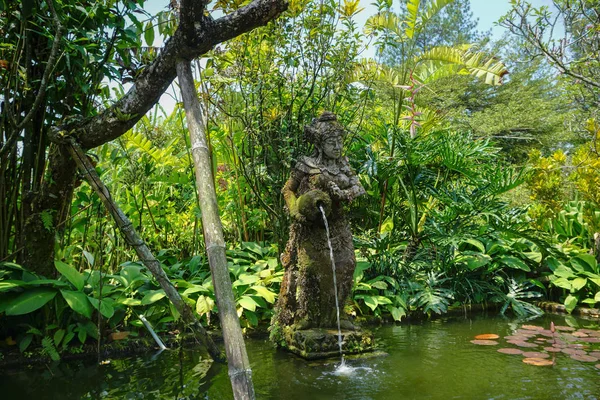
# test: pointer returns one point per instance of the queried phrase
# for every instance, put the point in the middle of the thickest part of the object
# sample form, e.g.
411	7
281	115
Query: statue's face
332	147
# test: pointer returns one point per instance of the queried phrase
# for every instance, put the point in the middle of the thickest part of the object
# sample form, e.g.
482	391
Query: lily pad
539	362
564	328
521	343
574	352
484	342
535	354
580	334
553	349
584	358
487	336
510	350
532	327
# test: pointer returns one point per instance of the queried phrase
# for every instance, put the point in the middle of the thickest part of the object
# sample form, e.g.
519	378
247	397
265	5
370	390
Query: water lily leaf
71	274
29	301
78	302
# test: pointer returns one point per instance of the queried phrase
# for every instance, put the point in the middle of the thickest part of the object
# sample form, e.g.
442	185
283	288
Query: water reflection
431	360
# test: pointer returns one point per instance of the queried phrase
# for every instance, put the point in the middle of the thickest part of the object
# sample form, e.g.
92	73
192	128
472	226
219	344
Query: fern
49	349
47	220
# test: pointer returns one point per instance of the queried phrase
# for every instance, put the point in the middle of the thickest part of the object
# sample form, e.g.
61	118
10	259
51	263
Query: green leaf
475	260
71	274
78	302
195	289
251	317
29	301
397	313
106	309
380	285
597	296
578	283
476	243
131	302
9	285
570	303
248	303
58	336
514	262
562	283
371	302
564	272
265	293
149	33
245	279
585	262
204	305
24	343
153	296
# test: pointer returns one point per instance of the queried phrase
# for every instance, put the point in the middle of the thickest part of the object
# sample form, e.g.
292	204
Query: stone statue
307	297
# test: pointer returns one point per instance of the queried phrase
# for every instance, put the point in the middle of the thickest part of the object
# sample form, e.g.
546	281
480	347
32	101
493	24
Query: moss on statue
306	300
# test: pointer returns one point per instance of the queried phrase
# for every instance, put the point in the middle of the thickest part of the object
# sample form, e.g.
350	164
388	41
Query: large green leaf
265	293
204	304
585	262
105	308
153	296
30	301
514	262
570	303
248	303
78	302
71	274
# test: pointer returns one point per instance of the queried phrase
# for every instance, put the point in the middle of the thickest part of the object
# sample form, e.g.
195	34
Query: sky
487	12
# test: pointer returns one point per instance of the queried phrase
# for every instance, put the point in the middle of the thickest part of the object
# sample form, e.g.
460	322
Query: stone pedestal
318	343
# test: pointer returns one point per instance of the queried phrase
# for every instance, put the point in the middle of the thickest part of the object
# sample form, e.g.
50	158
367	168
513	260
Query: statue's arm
290	196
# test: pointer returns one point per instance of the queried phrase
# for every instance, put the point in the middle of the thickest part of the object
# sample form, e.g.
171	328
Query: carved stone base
319	343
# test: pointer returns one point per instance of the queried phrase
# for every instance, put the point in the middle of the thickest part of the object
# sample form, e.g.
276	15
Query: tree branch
148	88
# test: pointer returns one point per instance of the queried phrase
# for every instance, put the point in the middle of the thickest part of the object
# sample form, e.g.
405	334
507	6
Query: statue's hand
308	204
335	191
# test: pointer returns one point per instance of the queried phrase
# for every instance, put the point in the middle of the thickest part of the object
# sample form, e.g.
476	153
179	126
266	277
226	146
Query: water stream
342	366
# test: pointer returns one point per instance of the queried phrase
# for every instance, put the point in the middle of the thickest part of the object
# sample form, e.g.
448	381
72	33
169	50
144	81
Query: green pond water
430	360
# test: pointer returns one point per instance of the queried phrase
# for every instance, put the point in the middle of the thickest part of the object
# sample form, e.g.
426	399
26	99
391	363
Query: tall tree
55	60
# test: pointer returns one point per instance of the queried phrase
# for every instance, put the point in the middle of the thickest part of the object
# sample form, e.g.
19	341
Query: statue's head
327	135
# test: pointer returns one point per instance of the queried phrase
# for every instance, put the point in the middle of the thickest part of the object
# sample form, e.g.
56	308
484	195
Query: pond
429	360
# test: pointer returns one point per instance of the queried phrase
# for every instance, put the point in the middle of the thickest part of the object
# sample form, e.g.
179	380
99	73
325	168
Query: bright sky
486	11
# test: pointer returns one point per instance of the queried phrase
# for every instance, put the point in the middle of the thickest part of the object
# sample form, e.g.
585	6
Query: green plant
580	277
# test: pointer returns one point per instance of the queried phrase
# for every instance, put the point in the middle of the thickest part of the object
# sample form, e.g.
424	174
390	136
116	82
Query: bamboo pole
239	366
142	250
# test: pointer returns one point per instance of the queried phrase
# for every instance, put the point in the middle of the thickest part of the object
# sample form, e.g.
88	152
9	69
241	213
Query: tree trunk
239	366
143	252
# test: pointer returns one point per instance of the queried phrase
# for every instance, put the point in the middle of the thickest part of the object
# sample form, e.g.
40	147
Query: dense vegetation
481	184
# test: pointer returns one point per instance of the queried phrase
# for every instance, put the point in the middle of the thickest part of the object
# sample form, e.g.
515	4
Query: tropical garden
479	158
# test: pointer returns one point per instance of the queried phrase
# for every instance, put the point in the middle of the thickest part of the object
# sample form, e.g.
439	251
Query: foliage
55	311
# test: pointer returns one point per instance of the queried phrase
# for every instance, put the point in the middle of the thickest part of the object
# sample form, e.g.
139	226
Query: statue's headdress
324	126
